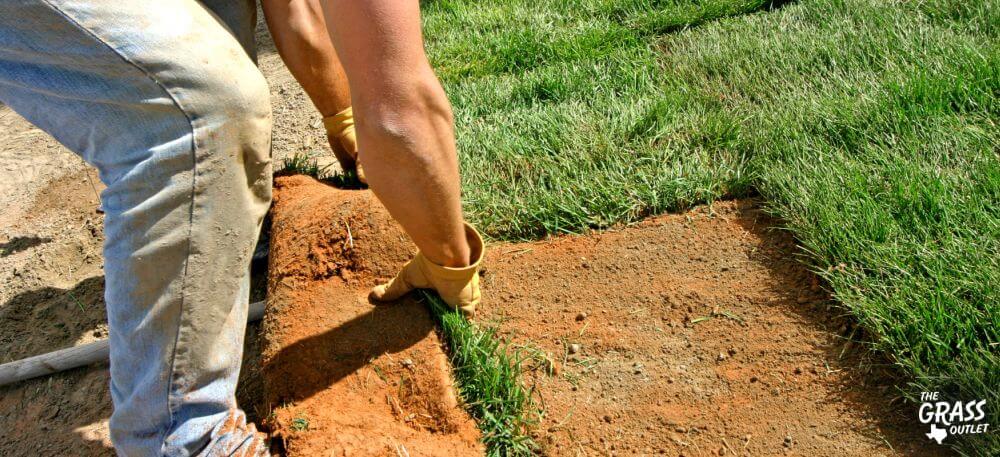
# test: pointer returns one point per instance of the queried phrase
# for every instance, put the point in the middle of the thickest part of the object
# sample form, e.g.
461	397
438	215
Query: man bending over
164	99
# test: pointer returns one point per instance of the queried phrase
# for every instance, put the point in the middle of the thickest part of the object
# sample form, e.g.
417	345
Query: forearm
411	164
404	125
300	34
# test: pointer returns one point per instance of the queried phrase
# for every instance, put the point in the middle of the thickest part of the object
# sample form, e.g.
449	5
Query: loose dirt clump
345	377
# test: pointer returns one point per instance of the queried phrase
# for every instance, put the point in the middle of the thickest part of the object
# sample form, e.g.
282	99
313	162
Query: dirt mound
345	377
690	334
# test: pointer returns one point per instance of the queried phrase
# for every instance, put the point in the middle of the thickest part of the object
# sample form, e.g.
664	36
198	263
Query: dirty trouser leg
165	102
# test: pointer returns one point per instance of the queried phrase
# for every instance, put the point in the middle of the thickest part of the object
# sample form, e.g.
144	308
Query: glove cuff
340	124
477	249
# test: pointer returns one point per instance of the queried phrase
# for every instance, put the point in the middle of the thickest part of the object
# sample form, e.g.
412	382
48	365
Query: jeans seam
191	204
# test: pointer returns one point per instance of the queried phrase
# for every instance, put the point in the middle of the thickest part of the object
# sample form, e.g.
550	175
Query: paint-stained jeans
163	97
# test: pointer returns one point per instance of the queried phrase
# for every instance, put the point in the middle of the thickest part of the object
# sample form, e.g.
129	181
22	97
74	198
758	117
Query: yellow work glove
458	287
341	127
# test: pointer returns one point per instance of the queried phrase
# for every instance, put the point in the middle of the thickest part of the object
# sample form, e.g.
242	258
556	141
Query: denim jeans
164	99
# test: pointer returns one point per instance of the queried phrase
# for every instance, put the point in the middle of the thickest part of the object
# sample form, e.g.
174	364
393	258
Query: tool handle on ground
77	356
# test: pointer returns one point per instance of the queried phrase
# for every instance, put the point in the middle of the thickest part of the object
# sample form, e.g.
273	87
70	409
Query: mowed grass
869	126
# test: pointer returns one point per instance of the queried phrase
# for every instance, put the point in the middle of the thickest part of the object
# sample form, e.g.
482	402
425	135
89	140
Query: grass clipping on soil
488	374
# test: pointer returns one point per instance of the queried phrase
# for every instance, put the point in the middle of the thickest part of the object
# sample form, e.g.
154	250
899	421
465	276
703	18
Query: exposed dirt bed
691	334
53	297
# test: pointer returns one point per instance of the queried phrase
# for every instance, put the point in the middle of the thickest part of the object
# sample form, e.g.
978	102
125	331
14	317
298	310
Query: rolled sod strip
343	375
75	357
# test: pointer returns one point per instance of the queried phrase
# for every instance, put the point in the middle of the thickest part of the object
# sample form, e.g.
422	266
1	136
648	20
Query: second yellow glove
341	127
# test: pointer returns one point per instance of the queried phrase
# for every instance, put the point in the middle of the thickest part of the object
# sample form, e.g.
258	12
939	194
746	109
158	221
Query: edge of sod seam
487	372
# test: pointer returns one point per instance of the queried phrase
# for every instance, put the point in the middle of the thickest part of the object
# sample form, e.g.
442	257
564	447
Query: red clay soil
342	376
691	334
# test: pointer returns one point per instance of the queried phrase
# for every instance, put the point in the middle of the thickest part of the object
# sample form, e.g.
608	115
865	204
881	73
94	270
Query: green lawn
869	126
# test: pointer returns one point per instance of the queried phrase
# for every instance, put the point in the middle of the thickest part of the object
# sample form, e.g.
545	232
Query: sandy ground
691	334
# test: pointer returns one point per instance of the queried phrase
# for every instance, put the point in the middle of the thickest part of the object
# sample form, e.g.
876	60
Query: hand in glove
340	126
458	287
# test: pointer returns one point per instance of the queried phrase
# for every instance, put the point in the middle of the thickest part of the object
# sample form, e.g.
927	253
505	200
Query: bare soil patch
689	334
52	297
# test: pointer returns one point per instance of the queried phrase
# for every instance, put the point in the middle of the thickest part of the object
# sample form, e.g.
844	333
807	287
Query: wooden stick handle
77	356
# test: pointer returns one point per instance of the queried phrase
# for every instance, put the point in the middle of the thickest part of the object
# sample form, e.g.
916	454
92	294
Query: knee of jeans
240	100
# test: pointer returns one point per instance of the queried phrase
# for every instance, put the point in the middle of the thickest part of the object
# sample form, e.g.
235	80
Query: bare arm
405	129
299	31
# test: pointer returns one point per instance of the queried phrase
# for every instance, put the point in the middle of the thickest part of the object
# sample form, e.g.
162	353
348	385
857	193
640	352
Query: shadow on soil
868	389
36	320
320	361
21	243
70	407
